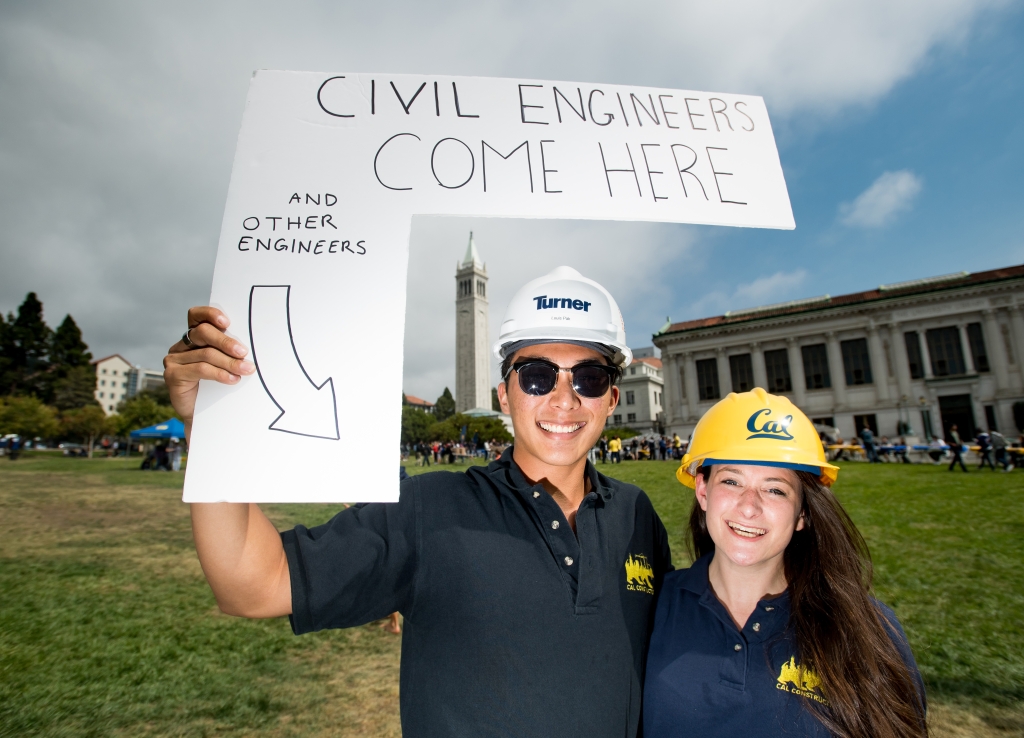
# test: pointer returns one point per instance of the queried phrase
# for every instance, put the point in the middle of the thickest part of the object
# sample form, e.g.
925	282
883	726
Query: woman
773	630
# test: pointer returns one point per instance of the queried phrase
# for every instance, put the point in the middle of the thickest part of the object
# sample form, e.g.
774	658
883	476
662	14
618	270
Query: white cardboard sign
328	173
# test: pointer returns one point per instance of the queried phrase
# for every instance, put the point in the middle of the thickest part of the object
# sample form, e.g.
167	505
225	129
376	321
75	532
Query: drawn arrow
306	409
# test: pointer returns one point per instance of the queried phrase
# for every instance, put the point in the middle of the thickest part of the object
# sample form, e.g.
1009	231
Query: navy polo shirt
514	625
707	678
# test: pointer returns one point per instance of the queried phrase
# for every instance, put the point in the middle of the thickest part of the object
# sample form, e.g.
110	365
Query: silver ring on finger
188	341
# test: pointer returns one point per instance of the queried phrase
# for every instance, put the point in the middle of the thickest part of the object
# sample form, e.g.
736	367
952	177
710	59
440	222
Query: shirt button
536	494
554	525
769	609
757	627
568	560
737	647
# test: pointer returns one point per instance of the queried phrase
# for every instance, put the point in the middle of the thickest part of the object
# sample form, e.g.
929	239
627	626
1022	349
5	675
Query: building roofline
883	293
112	356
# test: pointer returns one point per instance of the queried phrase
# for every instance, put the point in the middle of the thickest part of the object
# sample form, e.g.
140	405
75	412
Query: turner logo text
566	303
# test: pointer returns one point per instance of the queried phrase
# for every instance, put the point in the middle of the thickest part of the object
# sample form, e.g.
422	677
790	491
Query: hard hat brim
686	473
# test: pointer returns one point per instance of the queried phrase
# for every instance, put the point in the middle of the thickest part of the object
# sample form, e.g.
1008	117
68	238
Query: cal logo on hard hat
769	428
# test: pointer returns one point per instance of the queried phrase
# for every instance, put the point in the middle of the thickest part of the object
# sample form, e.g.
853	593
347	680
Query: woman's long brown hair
839	632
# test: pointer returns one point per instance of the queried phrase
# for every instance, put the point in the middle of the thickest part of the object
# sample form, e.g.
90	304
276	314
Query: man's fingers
215	358
205	334
207	314
192	373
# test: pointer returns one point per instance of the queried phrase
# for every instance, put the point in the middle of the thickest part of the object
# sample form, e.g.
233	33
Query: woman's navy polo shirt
514	626
707	678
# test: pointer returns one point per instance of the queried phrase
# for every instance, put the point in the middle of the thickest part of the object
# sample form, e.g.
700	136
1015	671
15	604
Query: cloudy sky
899	124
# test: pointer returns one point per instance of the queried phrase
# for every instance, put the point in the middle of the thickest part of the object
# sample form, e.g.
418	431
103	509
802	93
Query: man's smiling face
559	428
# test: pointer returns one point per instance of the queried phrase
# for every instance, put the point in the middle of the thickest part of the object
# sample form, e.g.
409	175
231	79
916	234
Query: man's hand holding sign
518	581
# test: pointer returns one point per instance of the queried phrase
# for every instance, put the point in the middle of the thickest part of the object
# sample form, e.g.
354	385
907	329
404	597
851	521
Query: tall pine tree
7	375
444	408
26	347
68	350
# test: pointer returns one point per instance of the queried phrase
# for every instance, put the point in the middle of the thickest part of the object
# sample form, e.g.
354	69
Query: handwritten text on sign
328	172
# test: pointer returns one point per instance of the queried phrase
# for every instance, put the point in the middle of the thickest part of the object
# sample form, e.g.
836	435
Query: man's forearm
241	554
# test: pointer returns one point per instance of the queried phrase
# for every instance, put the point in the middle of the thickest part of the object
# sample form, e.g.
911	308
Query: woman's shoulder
694	578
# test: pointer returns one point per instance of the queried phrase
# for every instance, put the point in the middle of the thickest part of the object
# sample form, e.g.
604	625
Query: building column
757	360
671	400
926	355
965	349
675	394
690	382
796	371
724	373
836	369
899	357
1017	335
994	347
879	370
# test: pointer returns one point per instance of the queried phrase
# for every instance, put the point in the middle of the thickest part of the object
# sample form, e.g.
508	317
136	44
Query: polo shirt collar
517	480
772	612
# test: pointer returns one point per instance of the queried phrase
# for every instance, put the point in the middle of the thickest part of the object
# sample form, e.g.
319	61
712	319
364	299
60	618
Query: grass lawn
107	627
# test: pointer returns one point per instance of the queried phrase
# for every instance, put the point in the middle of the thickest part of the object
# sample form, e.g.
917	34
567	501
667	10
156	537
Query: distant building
472	344
419	404
111	381
911	358
640	394
117	380
140	379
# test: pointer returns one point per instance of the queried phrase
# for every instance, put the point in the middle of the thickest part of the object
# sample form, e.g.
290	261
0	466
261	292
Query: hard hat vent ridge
756	427
564	305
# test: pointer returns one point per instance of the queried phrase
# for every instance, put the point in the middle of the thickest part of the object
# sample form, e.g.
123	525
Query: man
985	451
999	446
615	447
957	447
527	586
868	439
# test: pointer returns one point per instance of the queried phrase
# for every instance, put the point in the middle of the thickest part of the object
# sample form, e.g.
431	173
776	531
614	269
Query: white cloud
765	290
120	120
878	205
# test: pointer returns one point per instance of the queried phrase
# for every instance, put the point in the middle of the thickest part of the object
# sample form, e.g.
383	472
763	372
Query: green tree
495	405
28	417
77	388
160	394
444	408
140	411
67	349
487	427
7	373
88	423
416	424
610	433
26	348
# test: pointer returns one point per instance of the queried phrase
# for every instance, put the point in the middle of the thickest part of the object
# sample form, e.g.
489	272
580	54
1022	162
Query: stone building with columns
911	358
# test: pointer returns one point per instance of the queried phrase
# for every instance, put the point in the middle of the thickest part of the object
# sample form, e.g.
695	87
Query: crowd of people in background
639	448
426	453
991	448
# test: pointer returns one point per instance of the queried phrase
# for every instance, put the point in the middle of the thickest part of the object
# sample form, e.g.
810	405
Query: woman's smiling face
752	511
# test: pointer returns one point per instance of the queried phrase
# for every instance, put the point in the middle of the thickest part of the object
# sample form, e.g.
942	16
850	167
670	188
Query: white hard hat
564	306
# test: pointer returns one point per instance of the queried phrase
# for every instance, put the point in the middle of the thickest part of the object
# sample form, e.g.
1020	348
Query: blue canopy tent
172	428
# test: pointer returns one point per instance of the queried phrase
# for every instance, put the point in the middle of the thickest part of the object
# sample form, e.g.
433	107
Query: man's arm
239	548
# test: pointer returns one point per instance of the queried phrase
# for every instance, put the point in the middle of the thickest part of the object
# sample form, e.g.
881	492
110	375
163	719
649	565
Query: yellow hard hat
756	428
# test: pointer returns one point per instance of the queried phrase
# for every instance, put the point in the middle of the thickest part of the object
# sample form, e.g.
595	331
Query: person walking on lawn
957	448
527	587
